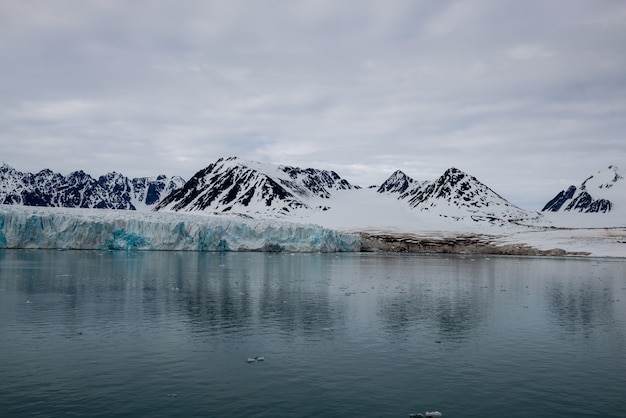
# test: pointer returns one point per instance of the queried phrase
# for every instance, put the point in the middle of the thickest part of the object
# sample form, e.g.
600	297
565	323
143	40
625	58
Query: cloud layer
529	97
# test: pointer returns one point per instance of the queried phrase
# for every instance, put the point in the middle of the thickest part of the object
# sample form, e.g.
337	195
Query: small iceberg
427	414
250	360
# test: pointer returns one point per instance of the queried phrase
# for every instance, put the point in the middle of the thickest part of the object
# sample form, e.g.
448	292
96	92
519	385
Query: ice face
32	227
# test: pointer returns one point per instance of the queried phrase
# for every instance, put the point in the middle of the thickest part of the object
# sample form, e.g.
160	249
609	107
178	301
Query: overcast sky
527	96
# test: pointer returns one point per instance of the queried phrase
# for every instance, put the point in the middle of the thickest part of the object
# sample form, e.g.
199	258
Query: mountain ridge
259	190
234	185
455	193
79	189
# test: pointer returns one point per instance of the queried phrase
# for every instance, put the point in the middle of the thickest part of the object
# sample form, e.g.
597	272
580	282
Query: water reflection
451	295
119	331
214	291
588	299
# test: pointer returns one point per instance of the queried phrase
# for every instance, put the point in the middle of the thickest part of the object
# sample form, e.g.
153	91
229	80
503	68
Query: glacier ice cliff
66	228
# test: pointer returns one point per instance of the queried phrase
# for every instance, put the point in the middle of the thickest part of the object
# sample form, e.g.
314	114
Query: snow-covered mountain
79	190
603	192
295	209
234	185
454	194
144	193
256	190
398	182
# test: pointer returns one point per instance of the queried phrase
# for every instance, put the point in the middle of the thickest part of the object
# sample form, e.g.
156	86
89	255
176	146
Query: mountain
398	182
601	192
79	190
234	185
258	190
454	194
144	193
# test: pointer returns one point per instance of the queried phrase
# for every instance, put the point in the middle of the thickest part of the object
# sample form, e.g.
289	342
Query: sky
527	96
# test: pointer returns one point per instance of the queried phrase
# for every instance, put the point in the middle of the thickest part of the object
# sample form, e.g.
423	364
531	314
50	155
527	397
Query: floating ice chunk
433	414
259	358
250	360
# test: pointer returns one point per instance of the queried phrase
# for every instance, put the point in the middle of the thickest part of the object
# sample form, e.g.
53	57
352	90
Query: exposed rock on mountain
234	185
257	190
80	190
398	182
598	193
144	193
454	194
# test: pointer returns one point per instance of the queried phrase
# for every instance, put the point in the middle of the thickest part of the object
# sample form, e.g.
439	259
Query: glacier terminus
74	228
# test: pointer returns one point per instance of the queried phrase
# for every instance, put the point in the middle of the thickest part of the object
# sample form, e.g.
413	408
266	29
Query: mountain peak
453	194
600	192
234	185
398	182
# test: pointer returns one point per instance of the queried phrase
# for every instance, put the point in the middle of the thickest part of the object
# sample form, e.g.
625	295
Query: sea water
165	334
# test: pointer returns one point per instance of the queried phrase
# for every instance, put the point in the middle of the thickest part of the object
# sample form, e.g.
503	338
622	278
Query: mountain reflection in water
169	334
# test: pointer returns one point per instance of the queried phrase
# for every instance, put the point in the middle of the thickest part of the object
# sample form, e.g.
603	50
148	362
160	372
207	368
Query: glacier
104	229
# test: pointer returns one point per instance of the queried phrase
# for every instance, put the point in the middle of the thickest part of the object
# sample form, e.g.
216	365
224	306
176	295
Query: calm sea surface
164	334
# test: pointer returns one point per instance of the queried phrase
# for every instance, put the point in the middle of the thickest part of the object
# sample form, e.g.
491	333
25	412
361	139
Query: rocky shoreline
457	244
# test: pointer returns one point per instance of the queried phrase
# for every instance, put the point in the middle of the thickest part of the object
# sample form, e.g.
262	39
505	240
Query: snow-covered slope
71	228
260	190
603	192
239	186
454	194
80	190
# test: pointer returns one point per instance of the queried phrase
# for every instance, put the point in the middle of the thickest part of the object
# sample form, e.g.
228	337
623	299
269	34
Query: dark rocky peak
453	175
151	190
311	181
596	194
585	203
6	169
46	172
116	184
563	196
454	182
79	177
398	182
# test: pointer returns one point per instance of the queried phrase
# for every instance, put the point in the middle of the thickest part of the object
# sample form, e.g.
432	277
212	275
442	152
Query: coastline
460	244
73	228
591	243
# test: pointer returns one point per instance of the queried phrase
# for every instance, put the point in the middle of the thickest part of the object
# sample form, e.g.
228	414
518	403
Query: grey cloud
506	91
